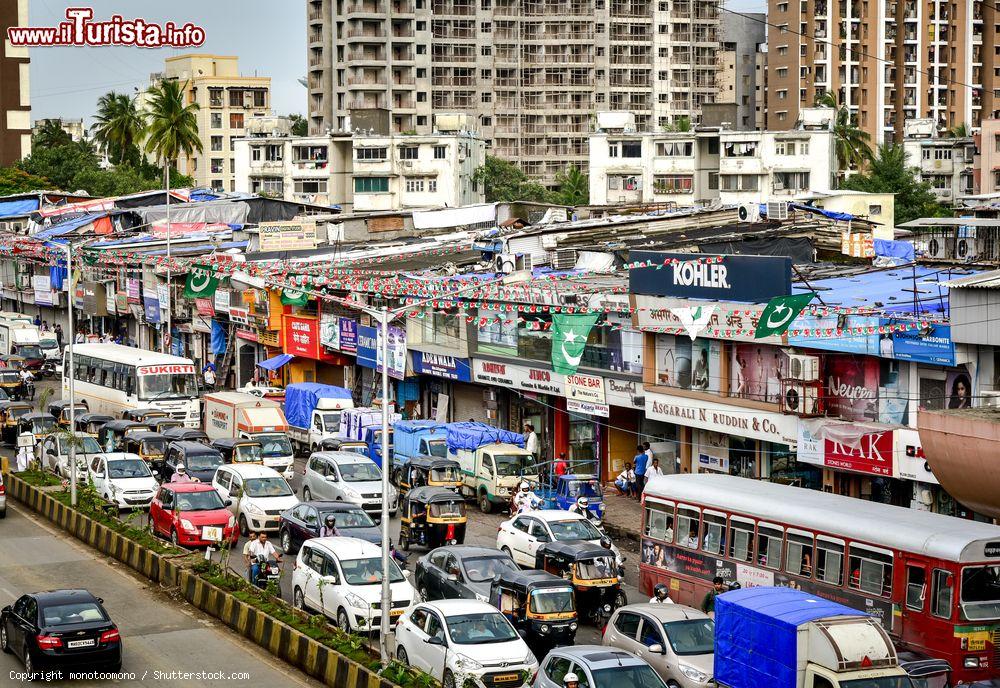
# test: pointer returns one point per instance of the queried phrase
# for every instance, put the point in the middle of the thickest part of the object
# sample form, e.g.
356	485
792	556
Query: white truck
20	338
313	411
493	462
239	415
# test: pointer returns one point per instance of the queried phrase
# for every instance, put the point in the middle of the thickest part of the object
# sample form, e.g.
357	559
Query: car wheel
299	600
485	505
673	684
3	638
343	621
29	663
401	656
244	528
286	542
620	600
449	680
506	550
404	542
173	538
306	494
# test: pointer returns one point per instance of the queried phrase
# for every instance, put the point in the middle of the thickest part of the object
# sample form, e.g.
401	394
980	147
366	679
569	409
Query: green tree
853	145
50	135
300	127
172	126
959	131
119	127
14	181
503	181
681	124
574	187
61	164
888	173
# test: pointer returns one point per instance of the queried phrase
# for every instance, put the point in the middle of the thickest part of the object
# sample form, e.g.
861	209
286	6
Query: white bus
112	378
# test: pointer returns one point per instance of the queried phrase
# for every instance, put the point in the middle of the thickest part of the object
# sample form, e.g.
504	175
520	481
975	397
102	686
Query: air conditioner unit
801	400
565	259
990	398
749	212
777	210
967	249
507	263
941	248
803	368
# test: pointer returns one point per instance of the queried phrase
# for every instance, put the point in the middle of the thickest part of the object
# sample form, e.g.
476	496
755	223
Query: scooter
267	571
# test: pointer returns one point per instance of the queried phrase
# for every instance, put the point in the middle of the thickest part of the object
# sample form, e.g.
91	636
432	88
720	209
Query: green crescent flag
569	337
294	297
779	313
201	282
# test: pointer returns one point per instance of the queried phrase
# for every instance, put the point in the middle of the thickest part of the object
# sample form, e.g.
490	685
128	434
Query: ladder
222	370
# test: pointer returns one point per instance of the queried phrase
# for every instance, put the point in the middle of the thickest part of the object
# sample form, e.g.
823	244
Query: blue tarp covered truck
493	462
365	425
313	413
785	638
417	438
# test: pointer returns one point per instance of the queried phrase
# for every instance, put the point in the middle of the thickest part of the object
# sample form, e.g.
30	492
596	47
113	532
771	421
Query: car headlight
573	626
530	660
544	628
355	600
467	663
693	673
503	491
970	663
187	525
253	508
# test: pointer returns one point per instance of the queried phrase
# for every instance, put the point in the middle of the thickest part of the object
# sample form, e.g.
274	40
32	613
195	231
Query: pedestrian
531	441
654	469
59	335
640	459
45	326
561	466
246	555
80	338
38	321
209	374
708	603
623	481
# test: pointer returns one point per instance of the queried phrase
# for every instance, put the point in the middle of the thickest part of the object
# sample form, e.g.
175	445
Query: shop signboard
933	347
152	307
747	279
588	408
348	334
911	464
719	417
370	354
95	301
713	451
731	321
301	336
518	377
287	236
438	365
121	302
205	307
585	394
827	340
851	387
42	286
239	316
133	290
329	332
109	298
624	393
873	454
248	335
222	300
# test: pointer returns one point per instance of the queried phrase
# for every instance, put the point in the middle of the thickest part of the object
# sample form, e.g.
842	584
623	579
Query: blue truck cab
373	444
417	438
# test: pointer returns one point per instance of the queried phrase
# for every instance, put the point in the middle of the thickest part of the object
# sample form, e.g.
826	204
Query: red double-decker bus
932	580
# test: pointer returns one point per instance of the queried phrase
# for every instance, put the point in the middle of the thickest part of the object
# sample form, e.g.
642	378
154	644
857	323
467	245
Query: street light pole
384	448
167	343
71	292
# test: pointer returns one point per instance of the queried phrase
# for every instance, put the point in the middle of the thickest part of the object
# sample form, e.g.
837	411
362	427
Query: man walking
531	441
640	460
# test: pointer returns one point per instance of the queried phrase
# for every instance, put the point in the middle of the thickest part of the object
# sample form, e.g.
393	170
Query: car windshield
879	682
274	445
128	468
42	426
203	462
551	601
331	421
444	475
981	592
209	500
48	344
584	488
483	569
633	675
577	529
168	386
247	453
267	487
439	449
72	613
691	636
480	629
348	519
88	445
596	569
454	509
155	447
29	351
368	571
360	472
10	376
511	464
18	411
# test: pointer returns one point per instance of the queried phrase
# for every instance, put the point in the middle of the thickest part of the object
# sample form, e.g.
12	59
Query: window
215	97
871	570
440	152
414	185
631	149
556	669
310	186
739	182
660	521
799	554
236	120
650	634
260	99
741	539
784	147
874	209
235	98
769	546
216	143
686	533
408	152
791	181
269	187
713	181
216	120
714	537
627	624
371	184
432	185
740	149
673	183
830	561
674	149
217	165
941	594
370	153
613	149
274	153
916	587
255	152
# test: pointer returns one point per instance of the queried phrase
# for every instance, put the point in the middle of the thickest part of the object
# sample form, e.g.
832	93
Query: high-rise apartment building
888	61
226	102
530	73
741	36
15	103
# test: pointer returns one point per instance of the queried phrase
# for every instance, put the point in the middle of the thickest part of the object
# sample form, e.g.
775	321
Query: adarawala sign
747	279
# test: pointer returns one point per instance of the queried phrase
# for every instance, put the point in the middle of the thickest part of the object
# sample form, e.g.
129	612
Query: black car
199	460
303	521
459	572
61	629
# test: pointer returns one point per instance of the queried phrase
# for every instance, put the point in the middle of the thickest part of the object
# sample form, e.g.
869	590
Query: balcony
961	448
366	34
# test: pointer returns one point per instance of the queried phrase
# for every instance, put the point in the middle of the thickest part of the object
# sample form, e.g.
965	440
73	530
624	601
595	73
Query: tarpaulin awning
275	362
67	227
831	214
225	212
21	207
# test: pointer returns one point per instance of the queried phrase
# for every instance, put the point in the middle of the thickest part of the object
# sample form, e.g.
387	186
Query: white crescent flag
694	319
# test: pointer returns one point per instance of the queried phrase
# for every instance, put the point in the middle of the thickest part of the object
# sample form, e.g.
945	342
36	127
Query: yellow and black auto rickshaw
91	423
541	606
149	446
430	471
10	412
60	410
112	434
162	423
431	517
592	571
239	450
142	415
10	382
37	424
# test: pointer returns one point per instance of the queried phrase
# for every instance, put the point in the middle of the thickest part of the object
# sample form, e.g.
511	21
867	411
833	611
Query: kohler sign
747	279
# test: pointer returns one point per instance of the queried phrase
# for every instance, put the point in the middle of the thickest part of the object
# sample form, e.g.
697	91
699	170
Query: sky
269	37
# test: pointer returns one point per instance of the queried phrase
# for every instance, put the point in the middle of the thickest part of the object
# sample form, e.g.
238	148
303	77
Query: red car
184	511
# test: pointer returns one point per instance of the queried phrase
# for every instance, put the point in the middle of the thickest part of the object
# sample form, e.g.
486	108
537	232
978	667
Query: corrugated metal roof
985	280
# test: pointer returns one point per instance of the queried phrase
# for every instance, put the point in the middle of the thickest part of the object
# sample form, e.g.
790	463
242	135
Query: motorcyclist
329	527
27	383
582	507
660	595
571	680
182	476
522	500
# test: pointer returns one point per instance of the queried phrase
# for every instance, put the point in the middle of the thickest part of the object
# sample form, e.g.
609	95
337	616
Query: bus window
686	532
741	539
830	561
871	570
941	594
799	555
916	587
769	546
660	521
981	592
715	533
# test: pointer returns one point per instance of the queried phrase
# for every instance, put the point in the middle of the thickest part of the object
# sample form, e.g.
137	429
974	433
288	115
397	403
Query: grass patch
39	478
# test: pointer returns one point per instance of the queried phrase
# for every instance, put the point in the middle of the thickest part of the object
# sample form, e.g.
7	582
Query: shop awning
275	362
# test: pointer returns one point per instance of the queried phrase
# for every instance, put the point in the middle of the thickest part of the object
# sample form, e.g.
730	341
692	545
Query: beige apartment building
227	101
529	73
888	61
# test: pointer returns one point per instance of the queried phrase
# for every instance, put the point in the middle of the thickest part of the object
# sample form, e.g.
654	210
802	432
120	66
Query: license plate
211	533
505	678
80	643
396	612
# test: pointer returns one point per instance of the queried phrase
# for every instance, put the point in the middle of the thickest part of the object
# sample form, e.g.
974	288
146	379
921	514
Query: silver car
677	641
338	476
597	667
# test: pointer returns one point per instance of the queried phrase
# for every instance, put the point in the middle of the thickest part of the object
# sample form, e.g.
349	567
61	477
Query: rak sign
872	454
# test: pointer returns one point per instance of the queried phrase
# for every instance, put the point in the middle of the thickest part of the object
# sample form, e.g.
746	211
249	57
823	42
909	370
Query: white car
458	639
341	476
259	494
521	536
341	577
123	479
52	453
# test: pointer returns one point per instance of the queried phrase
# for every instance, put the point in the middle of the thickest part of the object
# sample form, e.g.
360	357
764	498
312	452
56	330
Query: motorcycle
47	370
267	571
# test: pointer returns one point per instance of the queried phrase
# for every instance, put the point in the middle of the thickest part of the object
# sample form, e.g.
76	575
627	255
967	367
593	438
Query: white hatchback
453	640
123	479
258	493
521	536
341	577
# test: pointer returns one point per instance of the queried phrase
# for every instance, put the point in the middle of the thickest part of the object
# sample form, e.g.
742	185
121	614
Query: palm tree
51	135
118	126
573	187
853	145
172	126
959	131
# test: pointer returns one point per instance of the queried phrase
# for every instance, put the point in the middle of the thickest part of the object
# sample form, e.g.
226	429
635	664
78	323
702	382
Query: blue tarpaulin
472	436
57	273
67	226
275	362
832	214
302	398
218	338
20	207
900	250
756	634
